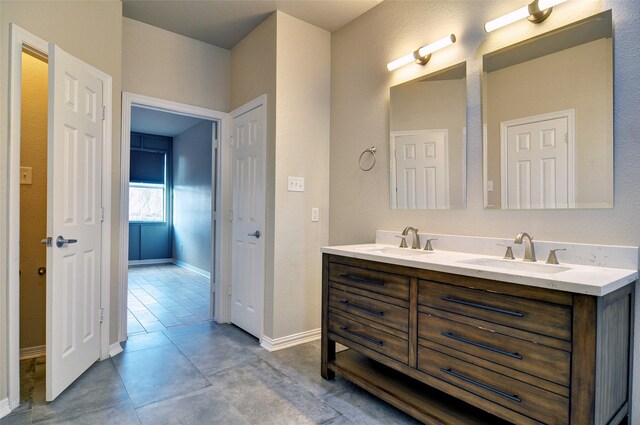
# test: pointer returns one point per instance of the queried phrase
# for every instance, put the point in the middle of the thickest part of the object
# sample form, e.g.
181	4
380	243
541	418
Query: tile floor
208	373
163	296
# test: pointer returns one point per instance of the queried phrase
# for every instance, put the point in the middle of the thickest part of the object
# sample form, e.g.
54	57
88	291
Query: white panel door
422	169
537	164
73	213
247	270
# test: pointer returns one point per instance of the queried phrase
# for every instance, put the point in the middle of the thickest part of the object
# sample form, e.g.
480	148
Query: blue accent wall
192	170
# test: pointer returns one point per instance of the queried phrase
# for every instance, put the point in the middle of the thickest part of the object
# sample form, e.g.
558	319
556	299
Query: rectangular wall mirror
428	141
548	119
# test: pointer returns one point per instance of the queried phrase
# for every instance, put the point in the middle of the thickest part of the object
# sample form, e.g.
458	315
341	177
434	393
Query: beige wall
577	78
359	111
302	149
92	32
253	66
429	105
33	201
165	65
297	145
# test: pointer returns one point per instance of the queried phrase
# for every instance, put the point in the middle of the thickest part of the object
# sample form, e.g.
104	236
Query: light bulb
437	45
507	19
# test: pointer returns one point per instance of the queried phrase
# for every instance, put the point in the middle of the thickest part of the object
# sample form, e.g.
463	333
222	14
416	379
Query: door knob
256	234
47	241
60	241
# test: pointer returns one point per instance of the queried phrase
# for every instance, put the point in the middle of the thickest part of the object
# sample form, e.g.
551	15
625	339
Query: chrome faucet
415	243
529	250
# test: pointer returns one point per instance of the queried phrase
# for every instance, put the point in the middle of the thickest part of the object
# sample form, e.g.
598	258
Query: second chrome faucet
415	243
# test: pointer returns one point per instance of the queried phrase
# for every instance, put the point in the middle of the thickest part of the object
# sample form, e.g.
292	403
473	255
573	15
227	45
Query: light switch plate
295	184
26	175
315	214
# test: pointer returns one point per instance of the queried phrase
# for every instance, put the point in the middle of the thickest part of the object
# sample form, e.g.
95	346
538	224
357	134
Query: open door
74	220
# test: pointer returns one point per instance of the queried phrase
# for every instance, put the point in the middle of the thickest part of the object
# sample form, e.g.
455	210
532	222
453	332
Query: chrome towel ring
372	151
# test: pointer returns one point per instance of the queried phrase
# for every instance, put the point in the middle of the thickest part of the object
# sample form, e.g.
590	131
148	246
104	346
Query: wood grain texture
327	346
369	308
525	356
539	317
375	281
583	360
413	323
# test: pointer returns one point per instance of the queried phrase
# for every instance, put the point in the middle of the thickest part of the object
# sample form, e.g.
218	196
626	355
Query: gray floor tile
250	388
98	387
302	364
119	413
21	418
145	340
157	373
154	326
362	408
213	352
203	327
199	407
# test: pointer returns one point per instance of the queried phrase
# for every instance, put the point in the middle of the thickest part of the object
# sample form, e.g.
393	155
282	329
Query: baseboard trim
276	344
149	262
115	349
4	408
192	268
33	352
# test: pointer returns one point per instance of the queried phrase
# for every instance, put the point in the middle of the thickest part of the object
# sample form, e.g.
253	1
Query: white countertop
581	279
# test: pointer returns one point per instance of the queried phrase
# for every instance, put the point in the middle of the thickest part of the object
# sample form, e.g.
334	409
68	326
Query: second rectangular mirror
428	141
548	119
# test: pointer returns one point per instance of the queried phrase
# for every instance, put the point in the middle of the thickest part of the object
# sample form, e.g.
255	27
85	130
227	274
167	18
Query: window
147	202
148	186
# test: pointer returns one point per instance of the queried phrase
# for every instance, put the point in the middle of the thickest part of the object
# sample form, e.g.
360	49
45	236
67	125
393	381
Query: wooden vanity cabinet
450	349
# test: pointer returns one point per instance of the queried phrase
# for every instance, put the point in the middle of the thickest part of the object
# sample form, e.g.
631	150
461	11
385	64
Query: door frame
218	223
570	115
21	39
252	104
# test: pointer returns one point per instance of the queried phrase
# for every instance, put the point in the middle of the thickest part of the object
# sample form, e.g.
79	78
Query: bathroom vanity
462	338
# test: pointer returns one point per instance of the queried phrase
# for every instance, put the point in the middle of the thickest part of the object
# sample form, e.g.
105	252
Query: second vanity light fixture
423	54
536	11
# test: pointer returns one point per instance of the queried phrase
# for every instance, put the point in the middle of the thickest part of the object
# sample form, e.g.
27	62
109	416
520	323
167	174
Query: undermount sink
408	252
514	265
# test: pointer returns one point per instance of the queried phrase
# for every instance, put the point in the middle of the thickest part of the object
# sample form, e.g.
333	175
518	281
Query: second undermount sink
408	252
514	265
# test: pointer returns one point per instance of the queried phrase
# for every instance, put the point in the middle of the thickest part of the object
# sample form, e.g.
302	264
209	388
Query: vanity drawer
535	359
378	311
372	280
544	406
375	339
521	313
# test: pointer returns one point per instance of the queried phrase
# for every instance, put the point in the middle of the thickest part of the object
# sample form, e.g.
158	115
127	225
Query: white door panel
248	218
537	172
421	169
74	212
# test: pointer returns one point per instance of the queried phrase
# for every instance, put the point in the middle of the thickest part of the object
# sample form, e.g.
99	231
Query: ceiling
224	23
160	123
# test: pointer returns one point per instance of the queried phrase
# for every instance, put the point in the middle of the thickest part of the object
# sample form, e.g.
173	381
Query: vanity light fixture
536	11
423	54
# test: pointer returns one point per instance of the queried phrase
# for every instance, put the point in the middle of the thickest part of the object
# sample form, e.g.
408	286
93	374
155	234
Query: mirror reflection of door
422	180
538	161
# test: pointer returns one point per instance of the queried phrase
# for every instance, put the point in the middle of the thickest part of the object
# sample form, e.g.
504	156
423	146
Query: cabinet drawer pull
483	346
481	385
359	307
366	338
362	279
451	299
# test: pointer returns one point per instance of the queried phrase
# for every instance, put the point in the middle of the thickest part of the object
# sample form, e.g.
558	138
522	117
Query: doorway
76	163
206	230
33	226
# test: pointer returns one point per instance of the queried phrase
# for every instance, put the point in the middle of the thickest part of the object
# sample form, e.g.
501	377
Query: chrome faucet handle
552	256
403	242
427	246
509	254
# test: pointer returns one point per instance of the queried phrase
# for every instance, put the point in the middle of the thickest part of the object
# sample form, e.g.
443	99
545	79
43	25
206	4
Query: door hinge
102	215
229	290
101	315
215	143
566	137
104	113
